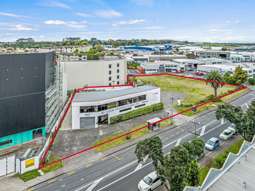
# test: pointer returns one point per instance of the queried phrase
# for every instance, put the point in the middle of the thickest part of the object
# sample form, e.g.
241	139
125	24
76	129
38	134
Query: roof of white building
239	177
104	95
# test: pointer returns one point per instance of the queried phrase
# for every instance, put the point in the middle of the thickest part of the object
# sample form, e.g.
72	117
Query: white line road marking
178	142
121	178
202	131
139	166
95	183
129	174
135	161
107	175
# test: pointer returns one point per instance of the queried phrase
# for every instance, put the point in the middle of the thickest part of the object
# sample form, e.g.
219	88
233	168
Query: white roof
153	120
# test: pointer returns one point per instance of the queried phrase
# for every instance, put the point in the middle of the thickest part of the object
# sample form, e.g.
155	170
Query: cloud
82	14
143	2
219	30
54	22
108	13
129	22
57	4
71	24
21	27
11	15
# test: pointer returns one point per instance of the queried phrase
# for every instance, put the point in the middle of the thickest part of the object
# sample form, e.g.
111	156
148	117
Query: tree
151	147
228	78
215	79
175	167
240	76
244	121
192	173
180	166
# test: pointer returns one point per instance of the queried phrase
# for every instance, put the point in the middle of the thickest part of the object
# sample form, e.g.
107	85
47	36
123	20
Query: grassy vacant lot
54	166
194	91
29	175
127	138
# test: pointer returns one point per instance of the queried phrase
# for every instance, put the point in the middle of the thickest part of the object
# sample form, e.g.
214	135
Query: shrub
251	81
136	113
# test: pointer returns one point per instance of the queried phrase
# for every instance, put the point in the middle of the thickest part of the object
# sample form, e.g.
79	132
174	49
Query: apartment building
106	72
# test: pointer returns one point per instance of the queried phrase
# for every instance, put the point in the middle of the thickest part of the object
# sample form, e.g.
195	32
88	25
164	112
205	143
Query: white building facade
106	72
92	109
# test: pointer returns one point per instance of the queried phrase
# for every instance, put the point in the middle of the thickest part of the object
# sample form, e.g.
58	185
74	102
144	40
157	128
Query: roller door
7	165
87	122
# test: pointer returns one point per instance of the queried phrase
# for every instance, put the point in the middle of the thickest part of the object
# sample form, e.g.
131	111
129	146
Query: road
121	171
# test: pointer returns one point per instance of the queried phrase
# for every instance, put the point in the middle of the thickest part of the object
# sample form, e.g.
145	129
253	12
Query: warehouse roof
104	95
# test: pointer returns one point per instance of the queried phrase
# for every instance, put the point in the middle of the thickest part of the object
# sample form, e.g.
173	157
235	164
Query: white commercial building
91	109
224	68
95	73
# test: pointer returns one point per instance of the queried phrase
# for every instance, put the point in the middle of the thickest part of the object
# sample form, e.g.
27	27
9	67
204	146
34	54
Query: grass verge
54	166
29	175
127	138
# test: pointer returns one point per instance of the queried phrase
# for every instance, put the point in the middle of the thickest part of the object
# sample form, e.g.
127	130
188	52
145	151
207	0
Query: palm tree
215	79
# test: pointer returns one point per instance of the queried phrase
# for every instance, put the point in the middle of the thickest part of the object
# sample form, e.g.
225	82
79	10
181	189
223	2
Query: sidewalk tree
192	173
175	167
244	121
215	79
151	147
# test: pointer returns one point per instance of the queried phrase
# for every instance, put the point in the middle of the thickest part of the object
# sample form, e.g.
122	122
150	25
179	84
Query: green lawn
194	91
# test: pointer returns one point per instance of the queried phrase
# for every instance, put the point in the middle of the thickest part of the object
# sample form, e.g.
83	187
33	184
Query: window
110	78
125	109
118	71
118	77
110	66
141	98
122	102
87	109
140	105
110	84
118	65
102	107
110	72
5	142
118	82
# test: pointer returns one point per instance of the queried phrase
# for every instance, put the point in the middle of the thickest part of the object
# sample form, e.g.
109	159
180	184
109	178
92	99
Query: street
120	171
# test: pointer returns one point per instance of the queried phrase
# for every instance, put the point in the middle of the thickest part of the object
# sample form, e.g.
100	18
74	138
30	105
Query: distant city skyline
191	20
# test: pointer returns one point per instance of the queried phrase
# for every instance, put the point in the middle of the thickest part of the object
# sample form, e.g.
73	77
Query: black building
24	80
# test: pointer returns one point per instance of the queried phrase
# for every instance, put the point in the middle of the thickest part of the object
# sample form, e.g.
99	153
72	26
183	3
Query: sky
192	20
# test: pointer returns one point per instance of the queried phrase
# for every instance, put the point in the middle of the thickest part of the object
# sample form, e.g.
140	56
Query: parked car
212	144
150	182
227	133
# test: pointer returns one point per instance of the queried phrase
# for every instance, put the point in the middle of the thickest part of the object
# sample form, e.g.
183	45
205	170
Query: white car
150	182
227	133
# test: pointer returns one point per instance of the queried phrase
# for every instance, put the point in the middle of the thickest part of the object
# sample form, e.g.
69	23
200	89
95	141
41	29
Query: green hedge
136	113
